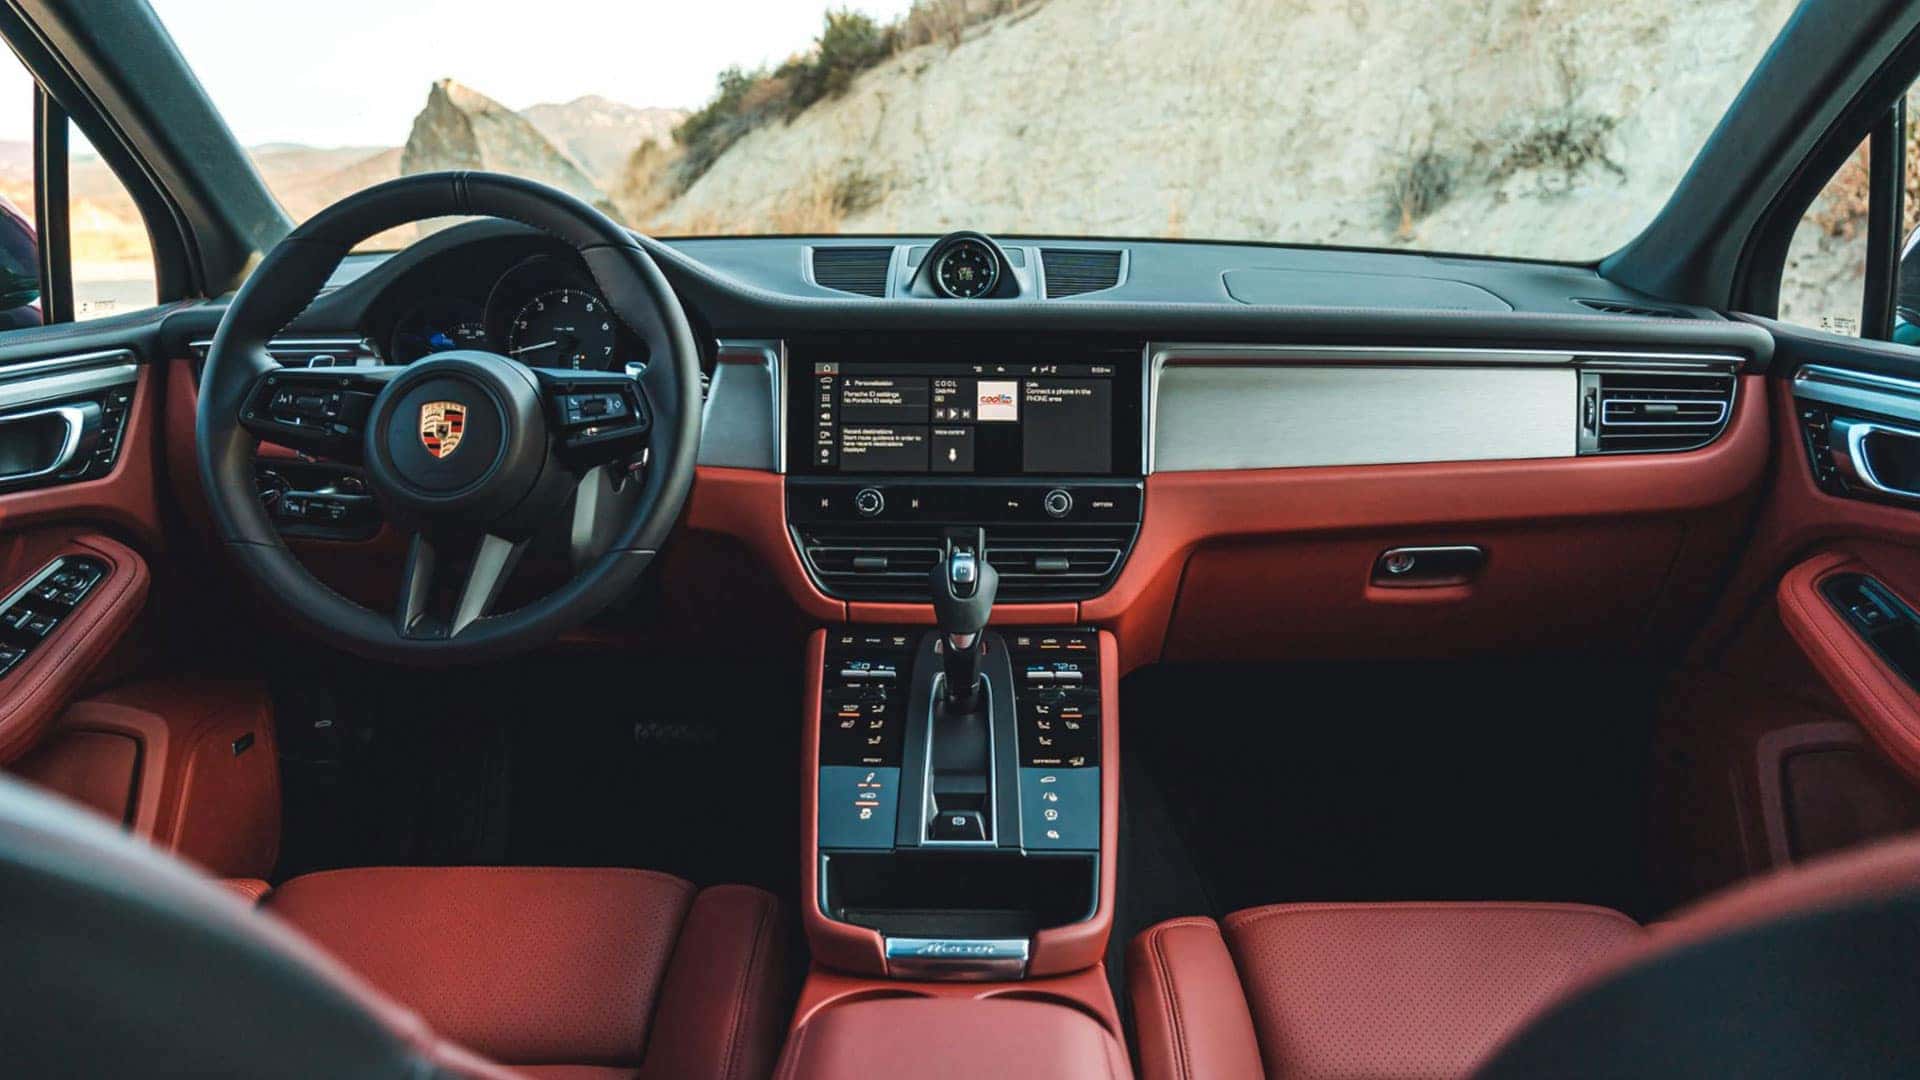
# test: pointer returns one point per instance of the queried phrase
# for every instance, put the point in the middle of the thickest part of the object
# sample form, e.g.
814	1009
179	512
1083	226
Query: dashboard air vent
876	563
1073	271
892	563
1643	411
1059	563
1645	311
860	270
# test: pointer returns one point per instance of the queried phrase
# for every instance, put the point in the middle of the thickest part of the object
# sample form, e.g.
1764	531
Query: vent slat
1066	563
1076	272
860	270
1641	411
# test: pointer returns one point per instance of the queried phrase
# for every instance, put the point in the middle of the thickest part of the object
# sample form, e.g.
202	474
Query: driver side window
73	244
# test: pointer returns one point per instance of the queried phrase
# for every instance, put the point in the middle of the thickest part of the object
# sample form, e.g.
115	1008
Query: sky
354	72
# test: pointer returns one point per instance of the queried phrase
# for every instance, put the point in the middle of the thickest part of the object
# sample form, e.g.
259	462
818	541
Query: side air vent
1624	412
1645	311
860	270
1074	271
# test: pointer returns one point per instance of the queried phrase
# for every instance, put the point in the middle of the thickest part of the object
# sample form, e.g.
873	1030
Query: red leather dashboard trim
1183	509
751	506
1873	692
36	691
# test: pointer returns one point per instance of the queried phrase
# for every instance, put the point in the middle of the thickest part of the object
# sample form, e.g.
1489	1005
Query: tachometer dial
967	270
564	328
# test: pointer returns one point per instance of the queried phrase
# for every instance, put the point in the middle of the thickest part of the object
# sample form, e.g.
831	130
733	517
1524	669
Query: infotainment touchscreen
987	417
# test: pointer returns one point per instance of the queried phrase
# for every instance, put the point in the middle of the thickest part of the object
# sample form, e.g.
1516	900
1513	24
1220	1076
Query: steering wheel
466	451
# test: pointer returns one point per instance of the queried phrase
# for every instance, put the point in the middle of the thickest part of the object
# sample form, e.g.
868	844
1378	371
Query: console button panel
862	718
1057	699
34	611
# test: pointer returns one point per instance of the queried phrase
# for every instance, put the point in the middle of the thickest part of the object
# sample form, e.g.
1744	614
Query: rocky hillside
1450	125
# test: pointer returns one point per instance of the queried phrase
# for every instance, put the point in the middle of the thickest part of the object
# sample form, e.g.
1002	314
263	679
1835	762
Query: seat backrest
1811	972
122	961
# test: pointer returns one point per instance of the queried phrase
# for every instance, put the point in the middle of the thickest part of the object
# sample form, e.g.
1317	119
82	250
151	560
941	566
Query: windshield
1530	128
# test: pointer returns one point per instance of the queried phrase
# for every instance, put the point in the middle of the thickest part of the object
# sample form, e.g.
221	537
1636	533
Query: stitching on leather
742	1006
1183	1059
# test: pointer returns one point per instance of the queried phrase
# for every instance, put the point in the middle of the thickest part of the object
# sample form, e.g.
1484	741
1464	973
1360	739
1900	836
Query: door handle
1895	474
43	442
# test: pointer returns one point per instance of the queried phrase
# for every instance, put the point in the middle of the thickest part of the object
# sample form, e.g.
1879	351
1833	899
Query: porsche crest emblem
441	425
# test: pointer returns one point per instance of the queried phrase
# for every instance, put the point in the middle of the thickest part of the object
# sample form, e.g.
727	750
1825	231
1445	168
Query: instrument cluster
543	310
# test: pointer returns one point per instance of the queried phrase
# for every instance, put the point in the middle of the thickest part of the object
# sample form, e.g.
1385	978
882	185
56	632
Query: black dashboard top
765	287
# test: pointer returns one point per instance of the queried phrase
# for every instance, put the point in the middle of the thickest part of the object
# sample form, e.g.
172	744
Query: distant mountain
601	134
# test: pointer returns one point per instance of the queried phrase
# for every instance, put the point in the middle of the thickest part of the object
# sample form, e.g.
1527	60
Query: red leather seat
563	972
1385	991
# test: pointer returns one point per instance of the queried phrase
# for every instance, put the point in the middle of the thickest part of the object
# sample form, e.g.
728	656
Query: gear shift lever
964	584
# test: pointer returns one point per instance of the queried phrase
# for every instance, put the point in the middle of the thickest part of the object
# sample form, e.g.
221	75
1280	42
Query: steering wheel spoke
322	412
428	609
596	416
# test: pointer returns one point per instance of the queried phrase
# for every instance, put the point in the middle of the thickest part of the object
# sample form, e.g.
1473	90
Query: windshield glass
1537	128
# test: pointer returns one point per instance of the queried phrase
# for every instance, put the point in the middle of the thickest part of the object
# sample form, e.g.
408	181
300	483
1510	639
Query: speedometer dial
564	328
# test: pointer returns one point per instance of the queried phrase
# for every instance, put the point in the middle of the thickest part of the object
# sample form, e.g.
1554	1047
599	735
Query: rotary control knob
1057	503
868	502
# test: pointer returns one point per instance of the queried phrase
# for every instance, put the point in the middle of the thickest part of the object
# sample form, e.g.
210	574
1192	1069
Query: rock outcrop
461	128
600	134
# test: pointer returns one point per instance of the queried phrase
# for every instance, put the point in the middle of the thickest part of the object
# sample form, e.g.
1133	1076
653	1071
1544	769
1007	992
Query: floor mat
1521	780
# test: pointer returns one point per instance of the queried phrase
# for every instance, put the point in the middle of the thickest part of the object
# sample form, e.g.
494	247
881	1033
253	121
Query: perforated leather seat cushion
562	967
1408	990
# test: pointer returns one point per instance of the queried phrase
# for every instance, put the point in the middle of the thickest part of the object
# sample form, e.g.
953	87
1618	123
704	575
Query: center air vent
1623	412
860	270
1075	271
879	562
1645	311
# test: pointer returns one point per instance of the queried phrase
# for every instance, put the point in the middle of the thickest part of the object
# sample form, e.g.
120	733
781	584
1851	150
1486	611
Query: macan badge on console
441	425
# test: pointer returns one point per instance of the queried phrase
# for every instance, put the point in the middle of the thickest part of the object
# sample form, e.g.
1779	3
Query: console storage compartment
960	895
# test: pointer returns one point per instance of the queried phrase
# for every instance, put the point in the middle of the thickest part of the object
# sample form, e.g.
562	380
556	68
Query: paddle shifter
964	584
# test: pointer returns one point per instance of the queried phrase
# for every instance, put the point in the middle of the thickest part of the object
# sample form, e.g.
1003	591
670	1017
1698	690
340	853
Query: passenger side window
1824	283
81	253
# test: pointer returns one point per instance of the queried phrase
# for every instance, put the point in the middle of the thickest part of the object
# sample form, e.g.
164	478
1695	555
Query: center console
961	844
961	779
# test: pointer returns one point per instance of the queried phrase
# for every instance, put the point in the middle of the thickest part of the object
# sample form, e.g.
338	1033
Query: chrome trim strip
957	959
1887	395
993	770
1161	355
63	363
76	422
1854	434
69	384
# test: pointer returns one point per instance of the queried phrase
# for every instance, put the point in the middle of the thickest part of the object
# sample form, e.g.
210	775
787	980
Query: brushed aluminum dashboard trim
1865	391
731	423
1374	405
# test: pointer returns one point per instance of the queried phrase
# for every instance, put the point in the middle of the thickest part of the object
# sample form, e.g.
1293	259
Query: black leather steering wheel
467	451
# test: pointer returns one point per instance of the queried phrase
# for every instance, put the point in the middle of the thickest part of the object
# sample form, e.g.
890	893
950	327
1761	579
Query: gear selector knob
964	584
